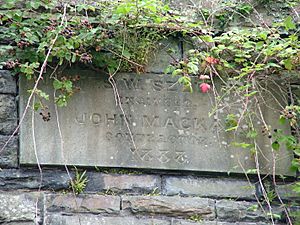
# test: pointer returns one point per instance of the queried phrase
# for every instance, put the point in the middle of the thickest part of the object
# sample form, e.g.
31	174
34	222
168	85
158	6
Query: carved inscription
174	124
147	121
165	127
194	139
161	155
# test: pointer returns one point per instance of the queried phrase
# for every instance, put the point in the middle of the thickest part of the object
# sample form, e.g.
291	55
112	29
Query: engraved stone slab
170	128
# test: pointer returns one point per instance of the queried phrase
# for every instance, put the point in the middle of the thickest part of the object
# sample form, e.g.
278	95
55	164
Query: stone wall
127	197
120	196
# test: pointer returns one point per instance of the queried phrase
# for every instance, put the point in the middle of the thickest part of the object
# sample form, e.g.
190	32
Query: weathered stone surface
8	107
18	223
242	223
208	187
189	222
30	179
7	83
18	207
167	51
8	113
233	211
7	126
170	128
172	206
120	183
9	155
56	219
246	223
83	203
285	191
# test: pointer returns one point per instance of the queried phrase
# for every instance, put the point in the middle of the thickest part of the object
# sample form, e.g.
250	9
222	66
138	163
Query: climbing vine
113	36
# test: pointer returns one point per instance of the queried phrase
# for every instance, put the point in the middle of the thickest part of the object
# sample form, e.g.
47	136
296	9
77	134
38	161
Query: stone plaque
167	128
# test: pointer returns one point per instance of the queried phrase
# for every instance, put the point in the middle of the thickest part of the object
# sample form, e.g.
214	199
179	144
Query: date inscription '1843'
159	127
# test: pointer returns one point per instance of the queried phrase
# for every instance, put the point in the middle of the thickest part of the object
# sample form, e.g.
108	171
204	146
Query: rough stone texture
8	126
246	223
187	222
30	179
83	203
167	51
172	206
208	187
18	207
18	223
285	192
233	211
8	107
9	155
120	183
56	219
8	114
7	83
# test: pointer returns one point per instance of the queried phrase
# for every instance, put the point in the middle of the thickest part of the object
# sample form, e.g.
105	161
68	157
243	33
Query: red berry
204	87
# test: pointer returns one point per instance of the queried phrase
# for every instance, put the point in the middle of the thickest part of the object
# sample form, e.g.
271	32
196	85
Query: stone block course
285	192
8	114
8	126
7	83
9	155
19	207
18	223
83	203
57	219
8	107
174	206
30	179
238	211
123	183
208	187
189	222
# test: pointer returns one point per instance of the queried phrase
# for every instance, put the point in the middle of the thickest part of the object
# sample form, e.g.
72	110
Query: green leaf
296	187
68	85
169	69
253	207
273	65
34	4
295	165
275	145
207	38
57	84
253	171
193	68
282	120
275	216
73	58
252	134
263	35
289	23
288	64
231	128
127	54
177	72
123	9
241	144
37	106
259	45
250	94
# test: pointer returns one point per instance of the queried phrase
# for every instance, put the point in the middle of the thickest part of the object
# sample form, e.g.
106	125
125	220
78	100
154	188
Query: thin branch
40	76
